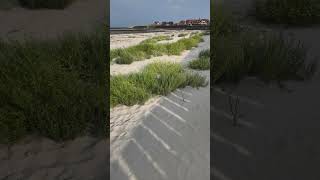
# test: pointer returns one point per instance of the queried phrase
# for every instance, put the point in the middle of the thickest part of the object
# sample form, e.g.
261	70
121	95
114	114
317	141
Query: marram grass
156	79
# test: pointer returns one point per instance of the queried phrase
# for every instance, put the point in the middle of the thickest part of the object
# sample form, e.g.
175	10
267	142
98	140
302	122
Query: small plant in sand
295	12
203	62
155	79
234	109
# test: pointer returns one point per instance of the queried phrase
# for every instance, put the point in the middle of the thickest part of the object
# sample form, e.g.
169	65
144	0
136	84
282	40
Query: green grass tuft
203	62
55	89
155	79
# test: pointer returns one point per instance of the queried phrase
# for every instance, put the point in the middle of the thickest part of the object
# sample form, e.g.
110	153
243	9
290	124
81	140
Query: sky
126	13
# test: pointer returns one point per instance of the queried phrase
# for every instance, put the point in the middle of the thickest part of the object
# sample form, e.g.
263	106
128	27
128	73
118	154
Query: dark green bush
55	89
48	4
295	12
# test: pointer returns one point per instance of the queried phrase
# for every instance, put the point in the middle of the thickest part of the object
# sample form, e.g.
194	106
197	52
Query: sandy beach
167	137
278	137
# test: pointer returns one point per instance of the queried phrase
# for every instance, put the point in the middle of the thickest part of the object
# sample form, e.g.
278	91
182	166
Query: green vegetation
268	56
157	39
49	4
203	62
155	79
55	89
294	12
149	48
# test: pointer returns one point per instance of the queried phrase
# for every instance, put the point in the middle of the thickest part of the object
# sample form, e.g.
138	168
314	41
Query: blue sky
141	12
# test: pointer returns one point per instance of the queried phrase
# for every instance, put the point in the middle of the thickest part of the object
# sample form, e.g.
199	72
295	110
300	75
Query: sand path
278	137
167	138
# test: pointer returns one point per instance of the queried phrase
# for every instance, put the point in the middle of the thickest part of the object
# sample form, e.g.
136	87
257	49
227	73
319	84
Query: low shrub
155	79
48	4
294	12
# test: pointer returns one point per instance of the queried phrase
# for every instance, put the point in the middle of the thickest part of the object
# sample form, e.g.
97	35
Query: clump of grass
53	88
148	49
48	4
155	79
203	62
268	56
200	64
204	53
294	12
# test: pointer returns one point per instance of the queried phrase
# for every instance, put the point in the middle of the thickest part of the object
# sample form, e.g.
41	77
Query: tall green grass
55	89
155	79
268	56
147	50
203	62
294	12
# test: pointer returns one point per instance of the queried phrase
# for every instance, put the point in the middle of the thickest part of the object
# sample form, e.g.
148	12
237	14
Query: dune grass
48	4
155	79
150	48
56	89
157	39
292	12
268	56
203	62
